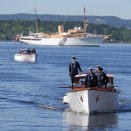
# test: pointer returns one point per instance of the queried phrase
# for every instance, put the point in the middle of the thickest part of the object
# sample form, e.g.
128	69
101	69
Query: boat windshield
82	82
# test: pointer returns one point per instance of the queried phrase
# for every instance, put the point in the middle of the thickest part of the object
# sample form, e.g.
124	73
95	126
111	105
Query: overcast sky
119	8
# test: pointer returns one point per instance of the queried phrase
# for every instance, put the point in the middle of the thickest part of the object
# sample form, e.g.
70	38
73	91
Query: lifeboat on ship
92	99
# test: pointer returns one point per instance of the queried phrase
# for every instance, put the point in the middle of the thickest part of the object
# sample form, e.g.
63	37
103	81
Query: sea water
30	97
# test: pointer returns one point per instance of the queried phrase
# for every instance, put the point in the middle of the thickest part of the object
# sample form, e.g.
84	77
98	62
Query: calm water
31	100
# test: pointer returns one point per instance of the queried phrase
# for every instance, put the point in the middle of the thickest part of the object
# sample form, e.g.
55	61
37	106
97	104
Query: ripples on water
31	100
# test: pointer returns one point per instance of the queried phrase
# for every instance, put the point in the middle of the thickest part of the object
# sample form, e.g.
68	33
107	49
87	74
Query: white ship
73	37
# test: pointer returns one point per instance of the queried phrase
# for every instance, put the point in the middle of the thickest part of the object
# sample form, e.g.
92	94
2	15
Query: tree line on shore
10	28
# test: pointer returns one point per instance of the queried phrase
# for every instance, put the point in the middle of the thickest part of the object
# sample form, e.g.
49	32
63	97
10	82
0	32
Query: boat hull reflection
90	122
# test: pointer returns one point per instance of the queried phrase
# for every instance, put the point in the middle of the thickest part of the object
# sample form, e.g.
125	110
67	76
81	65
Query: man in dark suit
102	78
73	69
33	51
28	51
91	79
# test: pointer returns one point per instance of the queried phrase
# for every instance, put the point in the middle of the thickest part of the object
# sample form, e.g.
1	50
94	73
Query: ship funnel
60	29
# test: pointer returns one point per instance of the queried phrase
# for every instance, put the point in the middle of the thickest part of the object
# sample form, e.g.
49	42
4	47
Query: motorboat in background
26	55
92	99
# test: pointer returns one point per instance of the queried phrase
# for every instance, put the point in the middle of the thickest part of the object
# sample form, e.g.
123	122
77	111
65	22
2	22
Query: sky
118	8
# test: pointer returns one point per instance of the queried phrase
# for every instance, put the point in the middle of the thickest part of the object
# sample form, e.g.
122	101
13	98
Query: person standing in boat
102	78
73	69
33	51
28	51
91	79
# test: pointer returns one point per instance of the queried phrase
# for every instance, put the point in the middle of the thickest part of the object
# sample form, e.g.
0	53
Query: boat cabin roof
23	49
84	75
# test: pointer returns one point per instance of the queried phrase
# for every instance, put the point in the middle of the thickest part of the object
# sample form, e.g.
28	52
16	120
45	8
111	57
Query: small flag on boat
35	10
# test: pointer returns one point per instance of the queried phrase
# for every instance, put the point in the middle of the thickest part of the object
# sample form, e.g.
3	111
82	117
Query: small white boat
92	99
26	56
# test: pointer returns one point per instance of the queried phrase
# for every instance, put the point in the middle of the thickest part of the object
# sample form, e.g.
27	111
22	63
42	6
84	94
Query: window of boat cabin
24	52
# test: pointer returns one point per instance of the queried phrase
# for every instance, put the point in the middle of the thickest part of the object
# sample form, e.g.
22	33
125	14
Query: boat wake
49	108
124	106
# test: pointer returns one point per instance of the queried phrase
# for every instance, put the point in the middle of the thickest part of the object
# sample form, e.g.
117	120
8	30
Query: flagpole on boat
109	70
21	45
109	66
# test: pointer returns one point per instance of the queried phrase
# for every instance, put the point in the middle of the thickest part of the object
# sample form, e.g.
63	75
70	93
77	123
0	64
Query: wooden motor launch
92	99
26	57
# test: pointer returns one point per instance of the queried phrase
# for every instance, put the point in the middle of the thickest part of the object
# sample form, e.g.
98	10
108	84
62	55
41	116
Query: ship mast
36	20
85	25
84	20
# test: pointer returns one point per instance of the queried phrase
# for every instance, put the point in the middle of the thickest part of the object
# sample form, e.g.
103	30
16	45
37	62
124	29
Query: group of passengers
28	51
98	78
92	79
